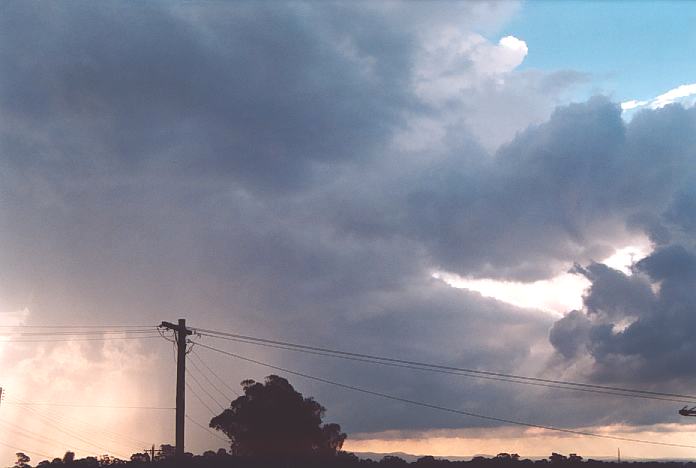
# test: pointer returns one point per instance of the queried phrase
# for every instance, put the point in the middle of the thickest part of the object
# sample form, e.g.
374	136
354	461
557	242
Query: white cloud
624	257
557	295
475	87
632	104
684	94
452	60
517	47
674	95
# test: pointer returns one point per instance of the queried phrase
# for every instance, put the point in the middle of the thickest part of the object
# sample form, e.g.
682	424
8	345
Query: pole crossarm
177	328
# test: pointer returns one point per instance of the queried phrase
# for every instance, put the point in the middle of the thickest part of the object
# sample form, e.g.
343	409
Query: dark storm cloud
564	191
636	327
614	295
655	343
682	211
237	165
252	92
569	334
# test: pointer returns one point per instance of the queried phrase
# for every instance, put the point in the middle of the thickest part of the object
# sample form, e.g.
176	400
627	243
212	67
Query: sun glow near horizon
532	442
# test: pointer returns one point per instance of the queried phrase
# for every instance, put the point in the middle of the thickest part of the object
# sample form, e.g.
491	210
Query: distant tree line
273	426
223	459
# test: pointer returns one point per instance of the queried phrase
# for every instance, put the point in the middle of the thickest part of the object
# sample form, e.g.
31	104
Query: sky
634	51
503	186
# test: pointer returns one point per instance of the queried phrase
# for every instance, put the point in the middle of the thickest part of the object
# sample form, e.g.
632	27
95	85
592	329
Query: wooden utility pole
180	334
151	453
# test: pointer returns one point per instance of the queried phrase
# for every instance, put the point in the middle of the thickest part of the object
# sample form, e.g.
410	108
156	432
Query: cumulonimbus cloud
279	168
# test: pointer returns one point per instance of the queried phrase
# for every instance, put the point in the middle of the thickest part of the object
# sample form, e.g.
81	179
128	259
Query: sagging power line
210	370
559	384
17	334
81	332
181	332
105	338
101	327
443	408
81	405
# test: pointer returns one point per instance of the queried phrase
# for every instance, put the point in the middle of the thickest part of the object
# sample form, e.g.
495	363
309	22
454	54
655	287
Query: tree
22	460
69	457
507	457
139	458
393	460
273	419
166	452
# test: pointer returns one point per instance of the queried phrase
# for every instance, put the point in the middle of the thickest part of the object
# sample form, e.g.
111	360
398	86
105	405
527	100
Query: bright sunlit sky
503	186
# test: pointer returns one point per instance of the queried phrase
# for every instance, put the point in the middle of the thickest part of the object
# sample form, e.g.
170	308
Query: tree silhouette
22	460
69	457
273	419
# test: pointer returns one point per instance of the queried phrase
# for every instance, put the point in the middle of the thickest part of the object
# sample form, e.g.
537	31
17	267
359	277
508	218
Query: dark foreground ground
347	460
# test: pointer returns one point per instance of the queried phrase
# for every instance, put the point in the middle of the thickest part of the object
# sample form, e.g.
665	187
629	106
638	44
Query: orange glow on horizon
532	443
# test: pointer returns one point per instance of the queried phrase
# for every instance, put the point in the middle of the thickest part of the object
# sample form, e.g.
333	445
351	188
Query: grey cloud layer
250	92
637	328
653	341
241	167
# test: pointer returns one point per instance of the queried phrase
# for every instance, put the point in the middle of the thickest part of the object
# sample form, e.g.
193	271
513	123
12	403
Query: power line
442	371
210	382
207	429
78	326
40	437
518	378
54	421
443	408
80	405
80	332
26	451
200	399
193	352
115	436
110	338
190	374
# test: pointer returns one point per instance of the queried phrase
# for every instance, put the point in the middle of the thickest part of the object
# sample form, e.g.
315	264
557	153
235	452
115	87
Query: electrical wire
35	436
210	382
55	423
194	353
190	374
111	434
26	451
77	326
80	332
200	399
110	338
444	408
512	377
117	437
58	423
207	429
163	336
442	371
79	405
